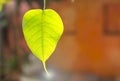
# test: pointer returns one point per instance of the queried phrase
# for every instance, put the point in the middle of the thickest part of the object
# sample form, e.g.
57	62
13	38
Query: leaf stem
44	65
44	5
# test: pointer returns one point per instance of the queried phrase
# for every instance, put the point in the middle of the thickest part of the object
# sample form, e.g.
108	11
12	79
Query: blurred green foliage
12	63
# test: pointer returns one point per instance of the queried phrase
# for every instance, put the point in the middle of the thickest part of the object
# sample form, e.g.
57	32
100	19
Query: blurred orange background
90	43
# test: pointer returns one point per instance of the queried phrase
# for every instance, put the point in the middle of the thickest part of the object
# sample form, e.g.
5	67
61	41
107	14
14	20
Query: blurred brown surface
89	49
84	47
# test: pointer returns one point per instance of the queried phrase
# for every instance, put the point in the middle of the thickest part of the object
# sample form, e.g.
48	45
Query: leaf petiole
44	5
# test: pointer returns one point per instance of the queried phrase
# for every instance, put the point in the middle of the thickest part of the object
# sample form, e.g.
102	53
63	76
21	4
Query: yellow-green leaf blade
42	29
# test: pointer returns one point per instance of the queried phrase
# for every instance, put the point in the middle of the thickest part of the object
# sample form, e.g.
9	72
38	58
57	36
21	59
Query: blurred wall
90	43
85	45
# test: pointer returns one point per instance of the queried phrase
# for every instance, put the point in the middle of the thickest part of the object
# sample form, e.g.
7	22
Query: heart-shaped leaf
42	29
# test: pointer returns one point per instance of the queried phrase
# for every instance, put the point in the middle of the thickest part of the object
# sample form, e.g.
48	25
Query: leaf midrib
42	35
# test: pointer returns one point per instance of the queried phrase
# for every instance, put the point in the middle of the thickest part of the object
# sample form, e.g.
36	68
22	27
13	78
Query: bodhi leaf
42	29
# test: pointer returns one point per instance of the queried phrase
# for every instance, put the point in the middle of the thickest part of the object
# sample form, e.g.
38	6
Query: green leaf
42	30
2	2
1	7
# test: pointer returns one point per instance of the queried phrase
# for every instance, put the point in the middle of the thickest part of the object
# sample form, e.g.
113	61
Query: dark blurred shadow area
89	49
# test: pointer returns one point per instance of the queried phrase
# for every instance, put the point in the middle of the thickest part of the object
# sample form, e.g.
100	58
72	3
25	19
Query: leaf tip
44	65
